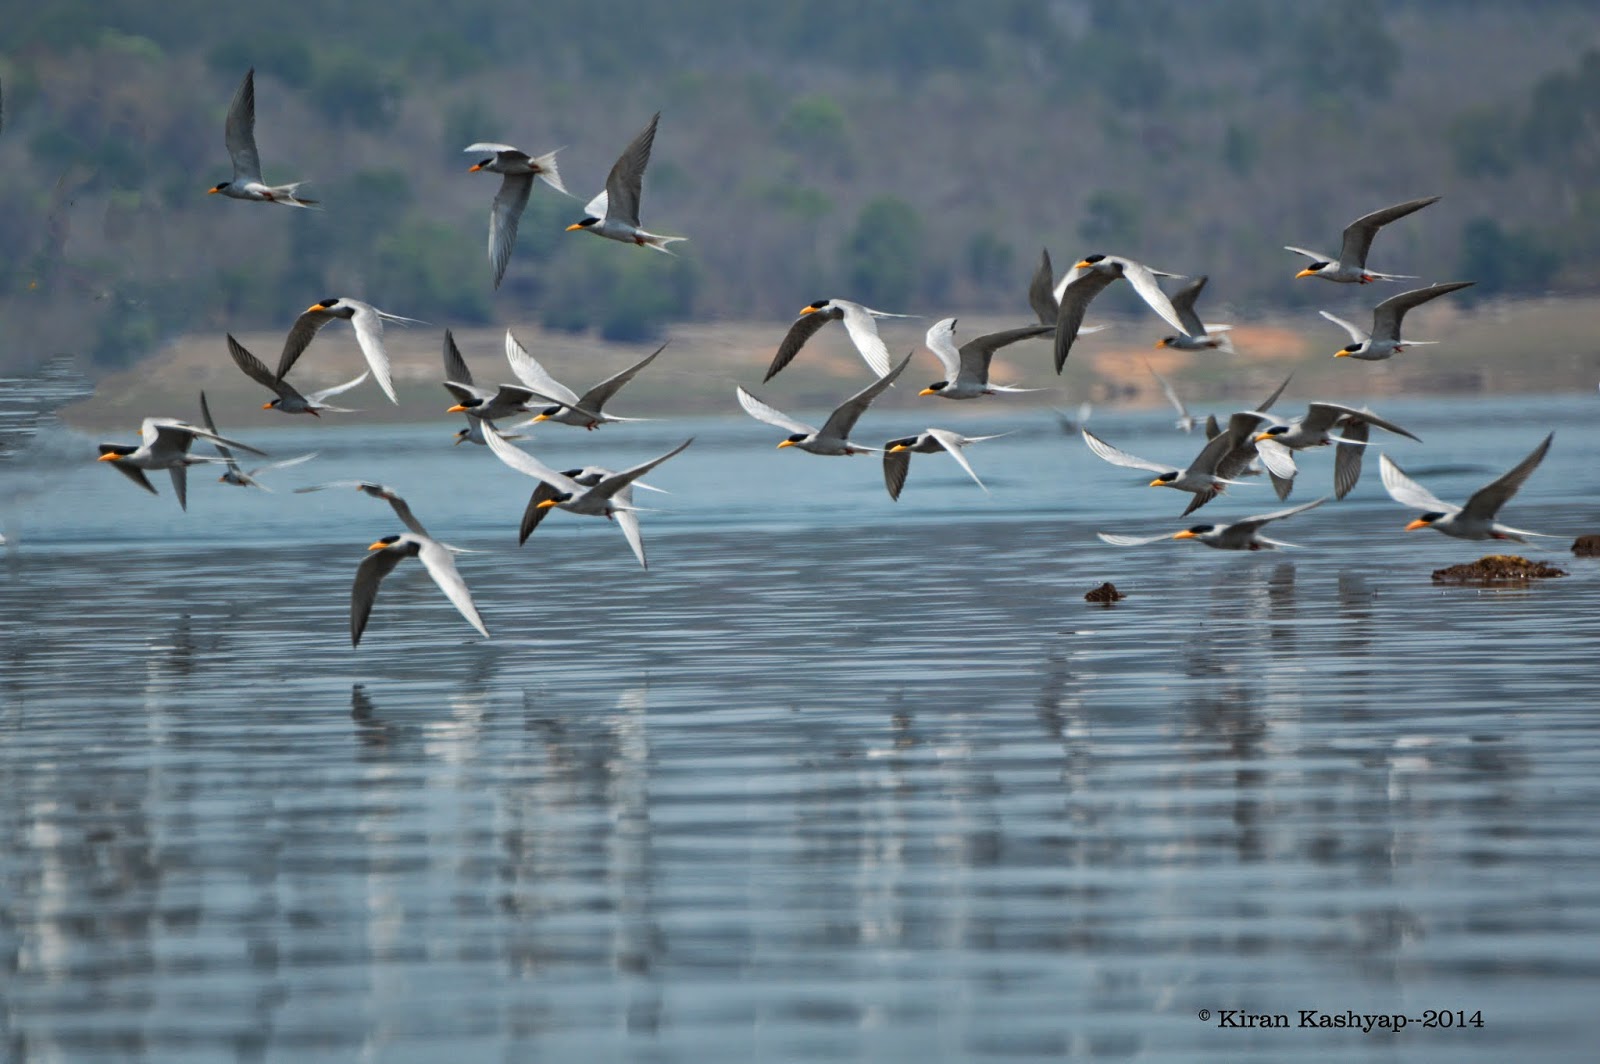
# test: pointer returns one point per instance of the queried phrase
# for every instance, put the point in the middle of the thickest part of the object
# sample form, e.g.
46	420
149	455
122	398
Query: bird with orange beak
1350	267
518	169
1476	518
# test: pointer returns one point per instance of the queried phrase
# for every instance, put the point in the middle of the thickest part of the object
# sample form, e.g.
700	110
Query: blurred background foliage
912	156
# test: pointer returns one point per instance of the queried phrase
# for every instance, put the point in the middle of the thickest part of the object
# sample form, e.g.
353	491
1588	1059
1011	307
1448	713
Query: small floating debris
1105	594
1587	546
1496	569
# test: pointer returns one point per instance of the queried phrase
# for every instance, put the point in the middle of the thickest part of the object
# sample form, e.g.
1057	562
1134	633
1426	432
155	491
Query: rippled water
838	779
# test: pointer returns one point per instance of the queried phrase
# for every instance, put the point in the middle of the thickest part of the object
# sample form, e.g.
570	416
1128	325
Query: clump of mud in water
1496	569
1106	594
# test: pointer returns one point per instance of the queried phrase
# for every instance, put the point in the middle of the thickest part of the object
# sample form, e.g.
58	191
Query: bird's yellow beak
457	409
1156	483
898	447
1305	273
211	192
314	306
1258	437
927	391
1185	534
474	168
266	406
378	545
112	457
573	226
807	310
785	443
1418	523
1083	264
542	417
1161	343
546	504
1341	354
458	441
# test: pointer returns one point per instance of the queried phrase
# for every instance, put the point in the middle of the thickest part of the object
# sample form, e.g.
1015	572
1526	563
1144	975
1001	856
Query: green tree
883	255
1504	262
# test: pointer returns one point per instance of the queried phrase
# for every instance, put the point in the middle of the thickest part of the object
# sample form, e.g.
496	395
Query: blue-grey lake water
838	779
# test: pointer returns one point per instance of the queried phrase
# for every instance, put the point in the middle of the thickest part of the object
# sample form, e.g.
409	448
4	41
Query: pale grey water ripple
838	779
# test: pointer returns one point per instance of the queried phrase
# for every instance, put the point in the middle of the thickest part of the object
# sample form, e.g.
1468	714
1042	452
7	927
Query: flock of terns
1248	443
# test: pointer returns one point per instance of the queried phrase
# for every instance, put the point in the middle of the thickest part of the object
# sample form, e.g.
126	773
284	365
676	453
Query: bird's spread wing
1347	457
762	412
211	427
301	333
256	370
436	559
504	217
369	574
977	353
455	367
133	473
1131	541
1075	298
338	389
1250	524
1386	316
528	465
954	442
1067	278
803	329
1277	458
895	467
614	483
298	459
530	373
1122	458
624	182
1266	404
1314	256
1172	396
180	484
1212	454
1407	492
1322	417
401	508
843	419
1487	500
1041	291
1359	233
628	521
169	433
535	513
239	134
1183	302
1143	280
941	341
483	146
1357	334
863	332
368	324
597	397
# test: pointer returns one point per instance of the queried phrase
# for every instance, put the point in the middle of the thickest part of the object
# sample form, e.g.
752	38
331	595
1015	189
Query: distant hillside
915	157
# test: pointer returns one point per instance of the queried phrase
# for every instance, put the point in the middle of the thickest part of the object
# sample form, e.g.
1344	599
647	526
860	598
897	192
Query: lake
839	778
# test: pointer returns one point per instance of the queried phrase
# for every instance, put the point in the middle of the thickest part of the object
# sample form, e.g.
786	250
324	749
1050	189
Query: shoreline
1528	347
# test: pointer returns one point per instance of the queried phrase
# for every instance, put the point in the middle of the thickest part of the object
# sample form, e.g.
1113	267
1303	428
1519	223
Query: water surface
838	779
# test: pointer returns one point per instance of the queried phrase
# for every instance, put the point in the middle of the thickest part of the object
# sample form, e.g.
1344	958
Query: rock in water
1105	594
1587	546
1496	569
